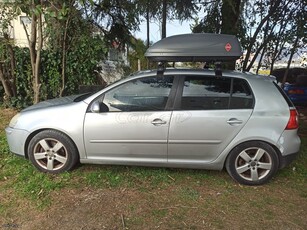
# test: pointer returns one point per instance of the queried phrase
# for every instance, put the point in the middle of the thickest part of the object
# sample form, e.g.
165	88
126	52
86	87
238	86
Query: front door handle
234	121
158	122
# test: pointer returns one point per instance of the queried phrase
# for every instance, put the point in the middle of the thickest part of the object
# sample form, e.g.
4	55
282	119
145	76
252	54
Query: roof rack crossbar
160	69
218	69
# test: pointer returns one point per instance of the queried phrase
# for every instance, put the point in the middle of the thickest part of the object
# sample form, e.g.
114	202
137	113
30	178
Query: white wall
18	33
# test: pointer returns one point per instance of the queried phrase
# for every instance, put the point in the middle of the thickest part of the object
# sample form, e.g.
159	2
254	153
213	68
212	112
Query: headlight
14	120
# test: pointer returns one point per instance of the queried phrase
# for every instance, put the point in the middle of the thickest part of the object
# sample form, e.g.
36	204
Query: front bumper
16	139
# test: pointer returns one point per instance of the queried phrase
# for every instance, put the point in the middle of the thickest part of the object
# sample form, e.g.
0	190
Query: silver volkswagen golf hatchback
187	118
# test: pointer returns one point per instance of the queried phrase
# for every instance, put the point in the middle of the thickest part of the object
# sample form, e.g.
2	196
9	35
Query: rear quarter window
289	102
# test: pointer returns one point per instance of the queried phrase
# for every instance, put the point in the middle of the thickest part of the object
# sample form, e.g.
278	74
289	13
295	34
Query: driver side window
144	94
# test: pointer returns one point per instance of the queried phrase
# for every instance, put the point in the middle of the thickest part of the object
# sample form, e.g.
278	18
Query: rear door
209	113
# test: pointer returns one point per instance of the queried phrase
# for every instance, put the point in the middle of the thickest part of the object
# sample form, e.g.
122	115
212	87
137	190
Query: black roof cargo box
195	47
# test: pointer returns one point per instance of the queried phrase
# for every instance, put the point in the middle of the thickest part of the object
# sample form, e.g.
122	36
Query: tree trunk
37	85
255	56
277	52
289	61
32	43
35	54
257	31
13	68
8	77
278	48
148	30
230	17
11	54
148	27
264	41
64	53
164	13
5	84
260	60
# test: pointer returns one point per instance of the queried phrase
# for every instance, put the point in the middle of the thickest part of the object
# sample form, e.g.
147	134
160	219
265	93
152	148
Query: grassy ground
115	197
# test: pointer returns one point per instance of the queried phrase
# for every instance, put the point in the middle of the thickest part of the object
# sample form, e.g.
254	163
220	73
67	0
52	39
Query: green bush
81	68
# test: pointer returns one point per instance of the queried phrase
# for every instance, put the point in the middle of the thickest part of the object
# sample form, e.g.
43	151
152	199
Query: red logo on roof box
228	47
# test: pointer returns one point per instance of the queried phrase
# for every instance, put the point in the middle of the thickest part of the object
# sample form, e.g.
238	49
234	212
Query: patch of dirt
225	207
5	117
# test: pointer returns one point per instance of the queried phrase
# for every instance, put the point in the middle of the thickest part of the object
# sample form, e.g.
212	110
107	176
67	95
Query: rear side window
241	96
212	93
205	93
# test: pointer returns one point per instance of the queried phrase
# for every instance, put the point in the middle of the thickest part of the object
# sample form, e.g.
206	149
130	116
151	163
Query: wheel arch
29	138
244	142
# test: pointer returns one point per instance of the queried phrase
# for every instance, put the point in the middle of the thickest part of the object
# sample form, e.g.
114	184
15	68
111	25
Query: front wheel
252	163
52	151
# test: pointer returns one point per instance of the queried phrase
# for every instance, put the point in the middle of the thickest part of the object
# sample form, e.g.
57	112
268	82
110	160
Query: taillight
296	91
293	120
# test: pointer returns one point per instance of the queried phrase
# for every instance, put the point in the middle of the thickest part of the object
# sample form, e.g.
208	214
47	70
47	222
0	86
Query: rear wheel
52	151
252	163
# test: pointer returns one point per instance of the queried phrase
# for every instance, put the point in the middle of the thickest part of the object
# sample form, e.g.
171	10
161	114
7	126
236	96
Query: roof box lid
195	47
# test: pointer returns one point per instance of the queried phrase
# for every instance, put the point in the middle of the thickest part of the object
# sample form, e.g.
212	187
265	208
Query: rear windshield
290	104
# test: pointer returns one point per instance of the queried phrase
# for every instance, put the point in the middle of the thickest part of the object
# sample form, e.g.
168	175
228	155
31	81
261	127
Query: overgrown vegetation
70	56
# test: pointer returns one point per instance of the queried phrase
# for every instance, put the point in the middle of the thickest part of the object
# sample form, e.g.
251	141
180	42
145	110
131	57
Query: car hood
52	102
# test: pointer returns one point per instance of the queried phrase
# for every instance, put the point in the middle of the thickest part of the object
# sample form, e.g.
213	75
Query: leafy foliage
114	19
81	66
267	29
137	55
70	36
82	63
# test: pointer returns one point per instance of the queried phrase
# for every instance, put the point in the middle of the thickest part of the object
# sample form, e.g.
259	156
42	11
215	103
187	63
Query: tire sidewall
72	153
231	162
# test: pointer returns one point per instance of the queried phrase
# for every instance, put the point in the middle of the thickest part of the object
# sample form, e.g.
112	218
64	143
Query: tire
53	152
252	163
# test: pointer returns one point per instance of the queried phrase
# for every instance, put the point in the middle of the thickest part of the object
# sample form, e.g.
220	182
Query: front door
135	127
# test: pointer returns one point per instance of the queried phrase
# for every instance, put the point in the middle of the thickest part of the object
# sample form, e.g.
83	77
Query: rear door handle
234	121
158	122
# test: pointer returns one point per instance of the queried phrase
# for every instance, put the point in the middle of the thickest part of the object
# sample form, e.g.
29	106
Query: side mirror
98	107
103	107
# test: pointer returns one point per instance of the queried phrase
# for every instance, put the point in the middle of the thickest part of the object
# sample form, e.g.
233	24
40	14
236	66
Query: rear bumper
286	160
289	146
